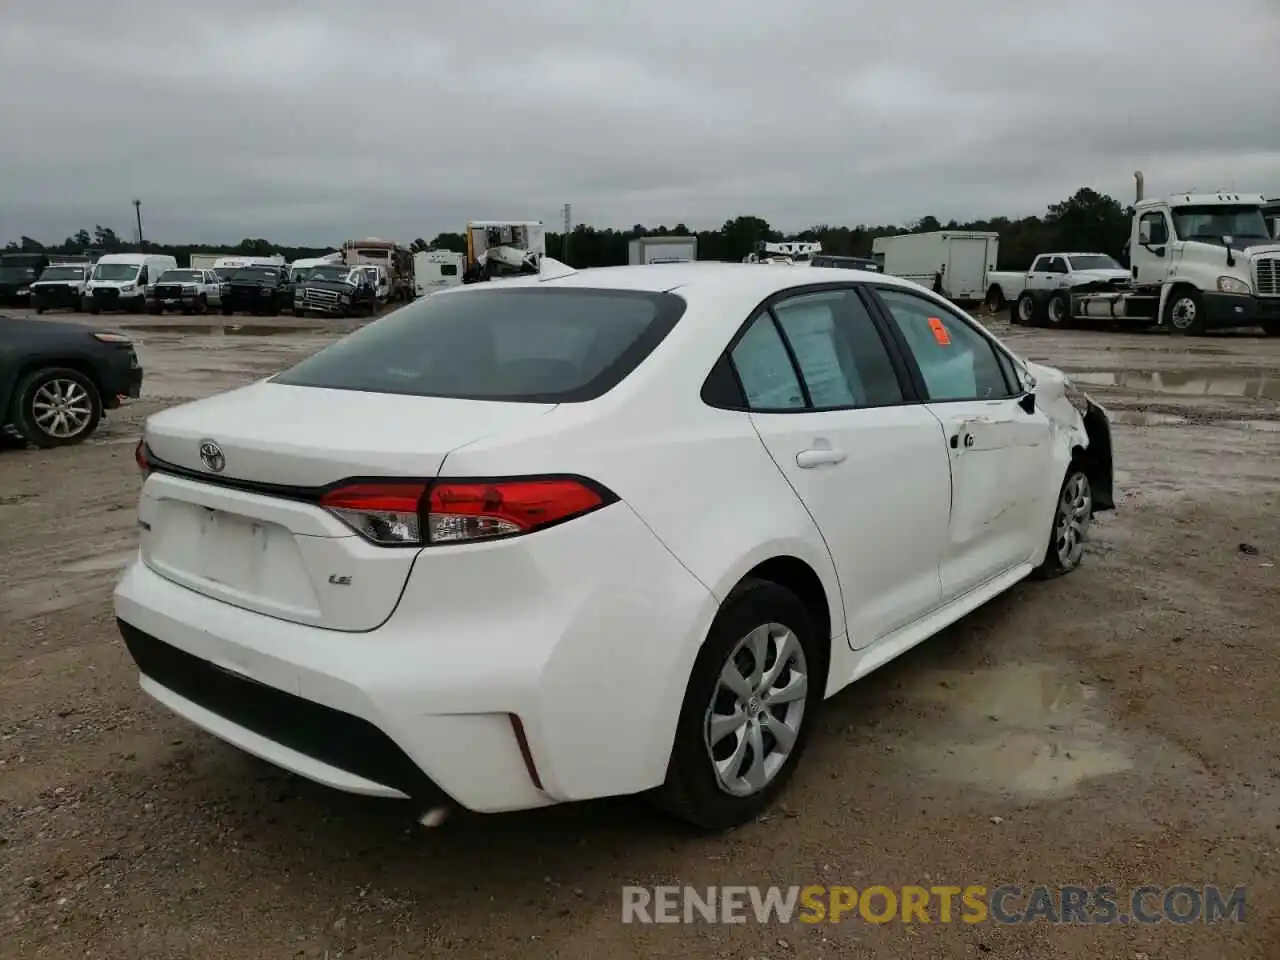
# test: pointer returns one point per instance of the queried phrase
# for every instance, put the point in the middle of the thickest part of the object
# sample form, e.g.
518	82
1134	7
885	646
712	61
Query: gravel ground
1115	727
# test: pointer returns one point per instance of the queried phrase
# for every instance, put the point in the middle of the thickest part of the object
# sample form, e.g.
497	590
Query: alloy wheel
753	720
62	408
1071	525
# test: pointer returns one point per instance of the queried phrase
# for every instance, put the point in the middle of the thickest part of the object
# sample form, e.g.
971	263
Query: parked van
119	281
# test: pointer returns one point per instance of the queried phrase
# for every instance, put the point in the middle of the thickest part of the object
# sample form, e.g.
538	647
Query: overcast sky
315	122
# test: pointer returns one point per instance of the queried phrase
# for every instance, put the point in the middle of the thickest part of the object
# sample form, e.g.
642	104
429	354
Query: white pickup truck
1051	271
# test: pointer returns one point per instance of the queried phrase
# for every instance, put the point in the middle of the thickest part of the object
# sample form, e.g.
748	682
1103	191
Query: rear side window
768	378
526	345
838	349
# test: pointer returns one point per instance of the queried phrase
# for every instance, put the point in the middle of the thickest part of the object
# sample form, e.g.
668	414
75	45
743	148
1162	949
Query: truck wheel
1185	312
202	304
1025	310
56	407
995	299
226	311
155	309
1271	328
298	312
1057	310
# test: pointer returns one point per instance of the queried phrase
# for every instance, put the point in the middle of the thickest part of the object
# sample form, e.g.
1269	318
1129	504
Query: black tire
155	309
1184	313
1271	328
24	413
1026	310
226	311
299	313
1057	310
995	299
202	304
1058	559
93	311
692	791
39	310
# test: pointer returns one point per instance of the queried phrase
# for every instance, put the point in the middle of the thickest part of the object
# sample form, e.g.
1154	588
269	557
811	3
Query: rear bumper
119	381
1224	311
586	635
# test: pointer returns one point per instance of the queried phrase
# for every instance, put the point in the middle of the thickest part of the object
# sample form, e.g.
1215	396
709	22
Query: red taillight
141	457
459	511
389	514
411	513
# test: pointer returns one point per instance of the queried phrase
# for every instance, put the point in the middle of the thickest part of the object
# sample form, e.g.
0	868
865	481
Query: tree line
1087	220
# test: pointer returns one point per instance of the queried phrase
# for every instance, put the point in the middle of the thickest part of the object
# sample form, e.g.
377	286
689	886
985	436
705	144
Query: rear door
967	268
869	463
998	444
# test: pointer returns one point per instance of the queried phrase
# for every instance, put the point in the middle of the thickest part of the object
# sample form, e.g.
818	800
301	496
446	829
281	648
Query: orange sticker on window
939	331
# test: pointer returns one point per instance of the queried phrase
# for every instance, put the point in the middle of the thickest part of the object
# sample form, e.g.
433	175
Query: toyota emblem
212	457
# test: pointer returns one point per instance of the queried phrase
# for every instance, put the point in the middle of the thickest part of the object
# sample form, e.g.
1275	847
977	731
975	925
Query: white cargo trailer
953	262
681	249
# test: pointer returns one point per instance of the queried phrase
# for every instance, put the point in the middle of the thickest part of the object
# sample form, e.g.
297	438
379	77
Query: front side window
1158	226
956	362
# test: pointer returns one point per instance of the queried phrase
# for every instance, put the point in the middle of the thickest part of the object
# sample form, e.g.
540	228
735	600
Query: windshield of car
255	274
374	254
180	276
527	345
1094	261
116	271
1212	223
332	274
225	273
63	273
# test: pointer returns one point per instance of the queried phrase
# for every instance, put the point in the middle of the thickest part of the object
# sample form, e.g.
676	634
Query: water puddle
1141	418
1266	426
224	329
1020	729
1185	383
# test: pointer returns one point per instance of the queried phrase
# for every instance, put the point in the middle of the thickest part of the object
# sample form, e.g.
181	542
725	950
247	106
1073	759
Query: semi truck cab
1213	259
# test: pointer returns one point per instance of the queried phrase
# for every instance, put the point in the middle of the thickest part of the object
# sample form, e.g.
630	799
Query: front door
868	464
997	440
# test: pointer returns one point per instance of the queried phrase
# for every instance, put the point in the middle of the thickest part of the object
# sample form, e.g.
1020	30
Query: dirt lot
1114	727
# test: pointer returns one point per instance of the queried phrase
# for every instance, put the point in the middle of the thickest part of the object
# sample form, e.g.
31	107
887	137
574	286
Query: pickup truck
191	291
1052	271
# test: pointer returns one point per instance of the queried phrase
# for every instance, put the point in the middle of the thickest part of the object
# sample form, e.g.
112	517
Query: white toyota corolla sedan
586	534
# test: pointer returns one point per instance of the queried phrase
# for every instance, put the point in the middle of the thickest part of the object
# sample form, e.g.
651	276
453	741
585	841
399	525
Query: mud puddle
1021	729
1142	418
1185	383
224	329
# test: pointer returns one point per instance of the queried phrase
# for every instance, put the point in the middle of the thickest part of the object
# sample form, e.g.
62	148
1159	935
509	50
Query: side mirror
1028	402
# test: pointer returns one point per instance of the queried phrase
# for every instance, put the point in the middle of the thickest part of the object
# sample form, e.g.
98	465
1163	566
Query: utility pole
564	241
137	210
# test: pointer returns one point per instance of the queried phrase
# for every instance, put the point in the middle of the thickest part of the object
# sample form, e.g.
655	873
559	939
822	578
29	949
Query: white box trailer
679	249
956	261
435	270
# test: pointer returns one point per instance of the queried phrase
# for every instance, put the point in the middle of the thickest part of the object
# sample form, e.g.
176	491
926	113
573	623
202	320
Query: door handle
817	457
959	437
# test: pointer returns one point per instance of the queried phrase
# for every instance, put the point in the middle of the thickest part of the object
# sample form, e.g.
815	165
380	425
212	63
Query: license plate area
246	561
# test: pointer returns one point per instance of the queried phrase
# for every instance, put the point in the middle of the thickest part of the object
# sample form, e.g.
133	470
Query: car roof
755	278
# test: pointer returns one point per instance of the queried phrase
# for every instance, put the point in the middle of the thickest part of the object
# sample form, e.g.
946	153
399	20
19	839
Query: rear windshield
530	345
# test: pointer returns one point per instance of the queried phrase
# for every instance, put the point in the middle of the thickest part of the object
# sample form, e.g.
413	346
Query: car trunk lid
252	533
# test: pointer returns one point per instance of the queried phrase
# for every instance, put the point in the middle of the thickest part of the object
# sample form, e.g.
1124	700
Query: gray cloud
315	122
